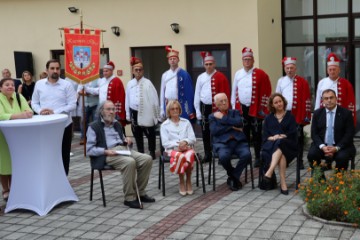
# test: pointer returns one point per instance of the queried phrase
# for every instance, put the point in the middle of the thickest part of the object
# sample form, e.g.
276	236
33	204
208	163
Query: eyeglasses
247	59
208	64
138	69
110	109
174	108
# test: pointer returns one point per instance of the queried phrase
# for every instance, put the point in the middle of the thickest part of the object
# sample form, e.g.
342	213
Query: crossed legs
278	159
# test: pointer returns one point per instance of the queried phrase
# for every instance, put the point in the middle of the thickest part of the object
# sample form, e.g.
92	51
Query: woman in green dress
12	106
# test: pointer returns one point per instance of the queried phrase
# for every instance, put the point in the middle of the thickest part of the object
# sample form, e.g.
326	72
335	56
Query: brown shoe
81	141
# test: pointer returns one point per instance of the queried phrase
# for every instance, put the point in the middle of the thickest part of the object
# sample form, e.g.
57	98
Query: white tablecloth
39	181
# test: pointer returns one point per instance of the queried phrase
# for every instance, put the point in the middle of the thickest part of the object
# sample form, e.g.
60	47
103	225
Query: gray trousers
135	169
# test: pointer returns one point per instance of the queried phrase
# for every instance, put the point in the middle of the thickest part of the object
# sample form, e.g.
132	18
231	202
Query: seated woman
279	140
176	136
12	106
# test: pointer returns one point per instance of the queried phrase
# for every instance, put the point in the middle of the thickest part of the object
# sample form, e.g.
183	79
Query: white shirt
325	83
101	90
203	92
169	88
59	96
243	83
285	87
133	94
91	100
173	133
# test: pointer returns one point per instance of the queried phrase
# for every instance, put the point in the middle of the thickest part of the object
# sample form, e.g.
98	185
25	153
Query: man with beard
104	138
54	95
110	88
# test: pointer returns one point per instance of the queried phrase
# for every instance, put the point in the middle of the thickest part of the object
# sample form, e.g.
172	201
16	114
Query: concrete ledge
336	223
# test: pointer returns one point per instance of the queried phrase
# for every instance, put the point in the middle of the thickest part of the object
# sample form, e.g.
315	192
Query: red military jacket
261	91
219	84
301	108
116	93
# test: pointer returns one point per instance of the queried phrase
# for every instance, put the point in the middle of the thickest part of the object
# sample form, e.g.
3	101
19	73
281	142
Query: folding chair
166	159
105	168
212	165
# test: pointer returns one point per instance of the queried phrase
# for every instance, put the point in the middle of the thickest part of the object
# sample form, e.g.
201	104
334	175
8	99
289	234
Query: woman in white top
177	136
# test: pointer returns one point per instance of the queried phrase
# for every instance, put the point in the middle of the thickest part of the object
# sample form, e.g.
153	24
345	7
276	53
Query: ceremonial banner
82	55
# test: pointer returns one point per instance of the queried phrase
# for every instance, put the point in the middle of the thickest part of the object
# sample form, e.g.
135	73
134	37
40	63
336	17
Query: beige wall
270	42
33	26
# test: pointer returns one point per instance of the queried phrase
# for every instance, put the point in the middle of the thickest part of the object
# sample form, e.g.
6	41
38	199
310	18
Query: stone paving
245	214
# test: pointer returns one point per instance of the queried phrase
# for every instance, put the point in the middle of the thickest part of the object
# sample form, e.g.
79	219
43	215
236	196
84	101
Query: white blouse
173	133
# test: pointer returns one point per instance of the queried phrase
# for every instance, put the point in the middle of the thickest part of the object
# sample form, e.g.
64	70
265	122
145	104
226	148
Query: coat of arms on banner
82	55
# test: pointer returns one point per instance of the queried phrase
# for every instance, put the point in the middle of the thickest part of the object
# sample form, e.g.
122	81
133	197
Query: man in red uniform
208	84
111	88
250	94
342	87
296	90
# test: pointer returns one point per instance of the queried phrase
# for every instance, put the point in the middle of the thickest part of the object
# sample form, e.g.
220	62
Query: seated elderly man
104	138
228	139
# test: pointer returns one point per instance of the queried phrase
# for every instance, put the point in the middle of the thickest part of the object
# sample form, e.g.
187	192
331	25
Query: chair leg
297	172
102	188
160	172
202	172
213	160
252	174
91	183
163	176
197	173
209	176
261	169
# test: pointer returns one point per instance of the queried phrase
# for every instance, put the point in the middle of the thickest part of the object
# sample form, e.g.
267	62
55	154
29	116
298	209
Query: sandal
5	195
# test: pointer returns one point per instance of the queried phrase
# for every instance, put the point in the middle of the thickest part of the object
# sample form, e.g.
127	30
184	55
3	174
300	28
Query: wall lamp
73	9
175	27
115	30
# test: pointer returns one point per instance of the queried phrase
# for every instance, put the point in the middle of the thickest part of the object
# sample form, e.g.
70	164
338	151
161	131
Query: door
155	63
194	62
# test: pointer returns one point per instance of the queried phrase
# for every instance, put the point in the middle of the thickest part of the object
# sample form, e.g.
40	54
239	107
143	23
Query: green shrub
337	198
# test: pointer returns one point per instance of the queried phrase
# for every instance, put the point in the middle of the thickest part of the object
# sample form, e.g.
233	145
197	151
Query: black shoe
133	204
257	163
239	185
153	155
235	185
285	192
302	165
231	184
228	181
147	199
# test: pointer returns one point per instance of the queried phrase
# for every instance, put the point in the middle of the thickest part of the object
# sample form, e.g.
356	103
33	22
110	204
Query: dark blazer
343	127
222	129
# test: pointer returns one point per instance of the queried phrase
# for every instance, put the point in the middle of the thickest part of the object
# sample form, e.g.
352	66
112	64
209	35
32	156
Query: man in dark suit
332	132
226	128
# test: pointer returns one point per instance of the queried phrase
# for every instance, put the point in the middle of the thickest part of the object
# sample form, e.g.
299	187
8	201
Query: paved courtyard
221	214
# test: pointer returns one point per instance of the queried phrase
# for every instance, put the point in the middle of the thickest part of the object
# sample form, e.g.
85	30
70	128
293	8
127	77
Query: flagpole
83	95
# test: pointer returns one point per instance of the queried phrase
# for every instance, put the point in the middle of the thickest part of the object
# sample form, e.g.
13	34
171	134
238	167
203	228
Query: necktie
330	131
